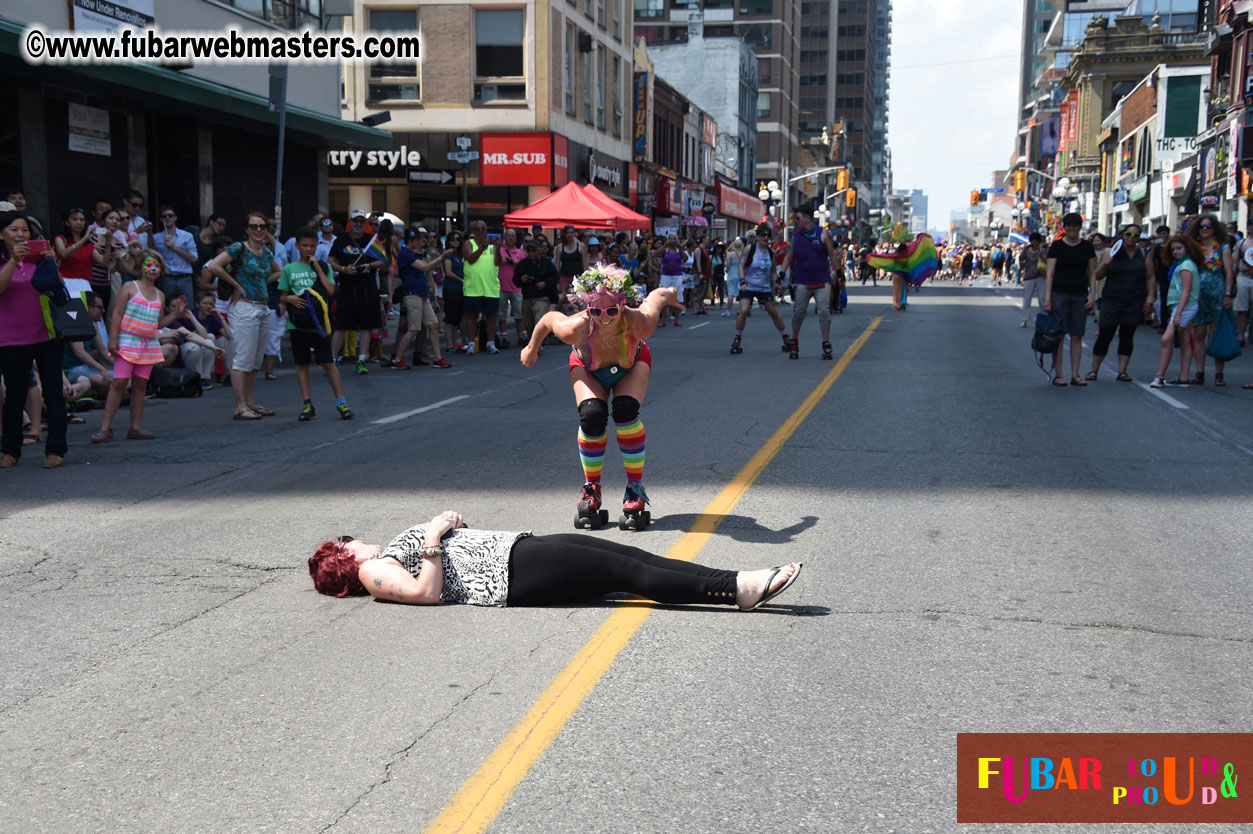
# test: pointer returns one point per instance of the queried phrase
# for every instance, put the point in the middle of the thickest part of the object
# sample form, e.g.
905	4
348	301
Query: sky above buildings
953	98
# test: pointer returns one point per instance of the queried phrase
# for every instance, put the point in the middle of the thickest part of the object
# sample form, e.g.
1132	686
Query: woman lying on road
487	567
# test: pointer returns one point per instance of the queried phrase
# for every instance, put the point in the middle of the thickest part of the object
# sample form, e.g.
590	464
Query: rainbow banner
919	261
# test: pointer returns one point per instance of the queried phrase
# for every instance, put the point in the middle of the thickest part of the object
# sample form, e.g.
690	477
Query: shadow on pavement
739	527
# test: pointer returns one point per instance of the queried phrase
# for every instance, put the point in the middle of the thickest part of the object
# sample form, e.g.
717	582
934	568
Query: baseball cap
355	213
593	241
530	244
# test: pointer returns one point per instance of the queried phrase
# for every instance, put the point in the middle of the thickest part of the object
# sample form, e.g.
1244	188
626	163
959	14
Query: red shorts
642	355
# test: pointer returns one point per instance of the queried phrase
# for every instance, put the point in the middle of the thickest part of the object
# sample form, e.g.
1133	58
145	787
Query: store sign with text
353	162
515	158
633	183
739	205
603	170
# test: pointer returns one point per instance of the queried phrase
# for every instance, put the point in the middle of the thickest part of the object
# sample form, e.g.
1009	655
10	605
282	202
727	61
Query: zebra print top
476	562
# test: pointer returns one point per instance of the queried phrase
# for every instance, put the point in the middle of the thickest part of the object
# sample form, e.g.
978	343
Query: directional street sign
991	190
463	142
442	176
463	156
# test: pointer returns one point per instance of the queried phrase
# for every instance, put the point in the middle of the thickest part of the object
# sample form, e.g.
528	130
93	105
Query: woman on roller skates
608	354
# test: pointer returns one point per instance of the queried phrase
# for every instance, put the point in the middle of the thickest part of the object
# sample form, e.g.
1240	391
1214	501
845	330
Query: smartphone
35	251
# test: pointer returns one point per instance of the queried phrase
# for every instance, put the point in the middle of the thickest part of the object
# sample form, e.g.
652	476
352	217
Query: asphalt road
983	553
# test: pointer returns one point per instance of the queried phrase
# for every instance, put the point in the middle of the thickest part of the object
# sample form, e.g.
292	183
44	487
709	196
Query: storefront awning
170	91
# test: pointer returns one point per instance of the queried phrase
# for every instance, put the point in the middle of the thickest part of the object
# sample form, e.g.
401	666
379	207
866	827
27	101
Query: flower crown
613	280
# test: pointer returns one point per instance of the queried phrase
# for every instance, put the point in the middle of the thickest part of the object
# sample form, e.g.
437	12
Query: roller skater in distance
608	354
756	265
590	515
634	516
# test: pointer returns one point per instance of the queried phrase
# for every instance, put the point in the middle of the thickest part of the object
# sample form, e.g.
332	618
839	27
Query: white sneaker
1158	382
491	348
726	314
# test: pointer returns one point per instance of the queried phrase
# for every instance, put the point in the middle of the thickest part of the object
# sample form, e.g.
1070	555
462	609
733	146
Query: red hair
334	571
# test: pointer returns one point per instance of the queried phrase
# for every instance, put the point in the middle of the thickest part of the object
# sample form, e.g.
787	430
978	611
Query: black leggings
1105	337
15	365
549	570
1121	316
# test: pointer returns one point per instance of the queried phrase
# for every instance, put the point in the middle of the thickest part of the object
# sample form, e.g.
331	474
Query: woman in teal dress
1217	284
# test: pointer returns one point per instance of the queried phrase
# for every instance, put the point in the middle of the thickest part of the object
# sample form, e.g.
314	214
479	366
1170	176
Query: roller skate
634	516
590	515
736	347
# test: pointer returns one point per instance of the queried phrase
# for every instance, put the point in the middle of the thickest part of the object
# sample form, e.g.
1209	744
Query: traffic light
850	198
1020	180
974	198
841	179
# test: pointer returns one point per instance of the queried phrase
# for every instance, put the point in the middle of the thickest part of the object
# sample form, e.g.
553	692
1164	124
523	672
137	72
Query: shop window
650	9
290	14
569	68
388	80
499	62
600	87
617	97
588	84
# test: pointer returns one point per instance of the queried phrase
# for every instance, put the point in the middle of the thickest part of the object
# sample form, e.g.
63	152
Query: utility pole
278	102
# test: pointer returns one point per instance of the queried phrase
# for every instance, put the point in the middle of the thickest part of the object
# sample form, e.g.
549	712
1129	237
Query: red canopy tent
586	207
629	219
567	205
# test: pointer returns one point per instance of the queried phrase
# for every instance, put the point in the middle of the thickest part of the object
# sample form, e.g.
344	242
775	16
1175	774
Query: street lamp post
772	197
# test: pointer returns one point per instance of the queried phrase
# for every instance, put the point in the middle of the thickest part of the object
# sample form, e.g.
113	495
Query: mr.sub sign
516	158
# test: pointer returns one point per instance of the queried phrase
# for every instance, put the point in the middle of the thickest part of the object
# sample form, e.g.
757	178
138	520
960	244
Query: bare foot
751	585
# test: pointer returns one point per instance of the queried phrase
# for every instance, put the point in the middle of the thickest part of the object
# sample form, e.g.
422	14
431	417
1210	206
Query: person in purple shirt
24	339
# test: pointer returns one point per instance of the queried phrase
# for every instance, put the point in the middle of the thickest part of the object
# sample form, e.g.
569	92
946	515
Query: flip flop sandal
31	439
1059	382
768	595
1124	377
75	420
1219	382
245	414
1091	376
262	410
1074	380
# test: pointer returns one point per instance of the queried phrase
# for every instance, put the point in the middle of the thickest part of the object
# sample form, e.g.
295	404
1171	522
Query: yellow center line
483	795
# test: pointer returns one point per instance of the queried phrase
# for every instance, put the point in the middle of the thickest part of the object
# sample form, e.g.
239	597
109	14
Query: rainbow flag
374	250
919	261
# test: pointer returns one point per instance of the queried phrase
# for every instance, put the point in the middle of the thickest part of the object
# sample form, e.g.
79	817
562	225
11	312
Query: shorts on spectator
274	335
1244	293
674	282
481	304
78	372
1069	308
511	305
762	297
250	324
1186	315
302	344
419	313
125	370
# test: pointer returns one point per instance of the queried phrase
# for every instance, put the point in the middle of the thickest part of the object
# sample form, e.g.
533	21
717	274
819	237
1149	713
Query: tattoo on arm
378	583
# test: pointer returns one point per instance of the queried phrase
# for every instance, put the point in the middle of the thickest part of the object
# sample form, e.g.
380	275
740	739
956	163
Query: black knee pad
593	417
625	409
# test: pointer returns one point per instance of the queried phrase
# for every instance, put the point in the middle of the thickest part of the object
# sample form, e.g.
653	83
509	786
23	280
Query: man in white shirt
133	204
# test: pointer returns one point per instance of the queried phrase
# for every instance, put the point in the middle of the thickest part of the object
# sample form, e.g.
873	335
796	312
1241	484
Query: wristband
430	552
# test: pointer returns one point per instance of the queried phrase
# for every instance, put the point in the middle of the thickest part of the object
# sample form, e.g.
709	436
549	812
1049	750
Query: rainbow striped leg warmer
592	456
631	445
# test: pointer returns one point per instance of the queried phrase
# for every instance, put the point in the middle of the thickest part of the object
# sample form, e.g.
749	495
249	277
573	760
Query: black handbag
70	322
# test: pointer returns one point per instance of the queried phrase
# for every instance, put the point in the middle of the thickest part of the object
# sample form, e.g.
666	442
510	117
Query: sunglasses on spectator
258	225
344	539
1207	225
135	203
169	214
599	311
